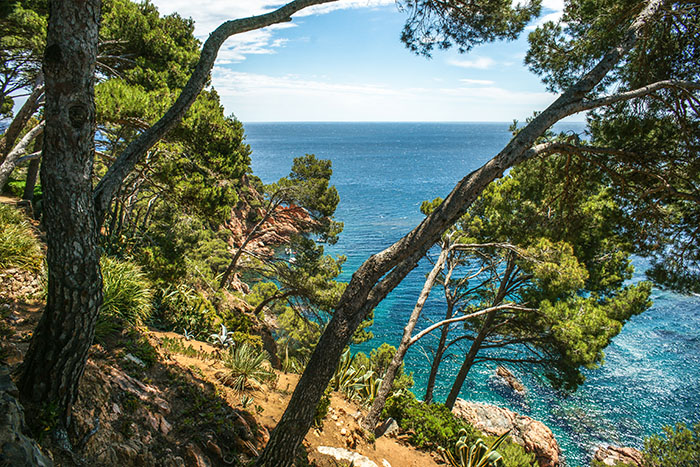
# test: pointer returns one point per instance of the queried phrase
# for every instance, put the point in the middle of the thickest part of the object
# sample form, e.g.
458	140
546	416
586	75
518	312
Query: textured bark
56	358
377	276
33	172
483	332
372	417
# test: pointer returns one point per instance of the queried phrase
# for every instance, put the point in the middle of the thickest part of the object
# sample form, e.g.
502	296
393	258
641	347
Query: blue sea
383	171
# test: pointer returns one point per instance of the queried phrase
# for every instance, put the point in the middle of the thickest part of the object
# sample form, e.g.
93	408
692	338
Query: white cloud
260	97
209	14
484	82
480	63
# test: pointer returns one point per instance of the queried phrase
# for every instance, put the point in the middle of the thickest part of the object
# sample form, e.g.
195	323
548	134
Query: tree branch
640	92
11	160
485	311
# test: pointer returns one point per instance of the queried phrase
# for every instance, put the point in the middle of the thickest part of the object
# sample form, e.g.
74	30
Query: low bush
434	426
679	446
19	247
127	292
430	425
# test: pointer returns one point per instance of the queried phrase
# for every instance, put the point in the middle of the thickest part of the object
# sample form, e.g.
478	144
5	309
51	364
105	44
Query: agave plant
476	455
247	368
346	378
223	338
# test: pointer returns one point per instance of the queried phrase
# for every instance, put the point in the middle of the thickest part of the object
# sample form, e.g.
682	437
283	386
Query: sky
344	61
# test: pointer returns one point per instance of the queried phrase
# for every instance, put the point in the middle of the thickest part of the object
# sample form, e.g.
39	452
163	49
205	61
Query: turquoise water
383	171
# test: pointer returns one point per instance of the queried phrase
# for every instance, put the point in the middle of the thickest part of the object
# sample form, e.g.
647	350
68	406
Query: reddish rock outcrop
281	225
613	455
533	435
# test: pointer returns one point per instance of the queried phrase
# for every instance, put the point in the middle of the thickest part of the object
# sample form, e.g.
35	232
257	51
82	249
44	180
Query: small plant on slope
247	367
478	455
223	338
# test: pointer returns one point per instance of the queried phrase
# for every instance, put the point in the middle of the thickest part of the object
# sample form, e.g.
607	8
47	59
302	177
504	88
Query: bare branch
640	92
476	314
11	160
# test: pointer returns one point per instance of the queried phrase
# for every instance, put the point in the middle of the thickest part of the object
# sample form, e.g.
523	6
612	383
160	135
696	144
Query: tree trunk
437	359
375	412
32	172
56	358
483	332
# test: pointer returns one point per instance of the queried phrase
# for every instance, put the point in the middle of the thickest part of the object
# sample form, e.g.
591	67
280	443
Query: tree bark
483	332
57	354
370	421
377	276
32	172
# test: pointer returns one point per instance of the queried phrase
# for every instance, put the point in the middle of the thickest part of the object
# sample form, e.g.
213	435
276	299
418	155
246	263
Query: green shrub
477	454
514	455
431	425
19	247
127	292
247	367
181	308
322	408
678	447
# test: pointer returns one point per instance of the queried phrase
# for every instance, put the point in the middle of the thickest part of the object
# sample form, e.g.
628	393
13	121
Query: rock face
613	455
15	448
534	436
510	379
285	222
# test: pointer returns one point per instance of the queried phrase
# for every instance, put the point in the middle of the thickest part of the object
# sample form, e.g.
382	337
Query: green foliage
649	143
556	222
514	455
308	186
22	38
322	408
149	50
178	346
476	455
181	308
379	360
246	367
463	24
429	425
678	447
127	294
19	247
360	377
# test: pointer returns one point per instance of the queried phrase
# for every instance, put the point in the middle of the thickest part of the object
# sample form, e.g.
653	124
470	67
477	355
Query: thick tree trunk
377	276
437	359
483	332
56	358
375	412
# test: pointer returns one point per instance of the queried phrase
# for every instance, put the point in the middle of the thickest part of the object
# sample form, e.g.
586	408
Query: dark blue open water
383	171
